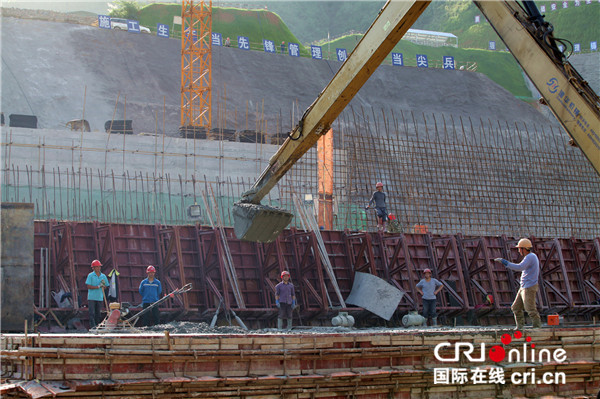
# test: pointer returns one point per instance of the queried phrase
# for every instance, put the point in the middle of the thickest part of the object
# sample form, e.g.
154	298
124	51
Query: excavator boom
574	104
523	30
254	222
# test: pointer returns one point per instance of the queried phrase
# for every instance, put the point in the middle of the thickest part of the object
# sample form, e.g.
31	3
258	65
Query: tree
129	9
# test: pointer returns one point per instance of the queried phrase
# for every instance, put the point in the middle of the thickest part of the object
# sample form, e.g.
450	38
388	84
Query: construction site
223	168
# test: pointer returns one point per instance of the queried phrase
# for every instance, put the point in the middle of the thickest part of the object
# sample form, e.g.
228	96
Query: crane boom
522	29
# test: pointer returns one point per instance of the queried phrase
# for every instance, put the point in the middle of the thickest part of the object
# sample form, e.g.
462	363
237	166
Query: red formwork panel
485	277
586	261
448	269
556	294
580	301
211	270
310	280
570	279
335	244
253	280
398	268
128	250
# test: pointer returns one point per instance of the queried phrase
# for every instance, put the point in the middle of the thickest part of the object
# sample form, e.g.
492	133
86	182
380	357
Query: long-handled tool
181	290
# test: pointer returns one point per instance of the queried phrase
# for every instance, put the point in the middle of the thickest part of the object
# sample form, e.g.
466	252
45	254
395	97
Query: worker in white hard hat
378	199
150	290
526	296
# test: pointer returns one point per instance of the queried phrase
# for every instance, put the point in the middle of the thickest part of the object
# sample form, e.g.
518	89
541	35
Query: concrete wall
16	270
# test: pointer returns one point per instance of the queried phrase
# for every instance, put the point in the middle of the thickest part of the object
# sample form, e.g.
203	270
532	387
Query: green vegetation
229	22
499	66
129	9
335	18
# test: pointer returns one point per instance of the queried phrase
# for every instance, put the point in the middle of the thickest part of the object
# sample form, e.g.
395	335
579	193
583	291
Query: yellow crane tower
196	62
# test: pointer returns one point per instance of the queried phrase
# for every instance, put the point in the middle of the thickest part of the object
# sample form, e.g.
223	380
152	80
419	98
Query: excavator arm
523	30
529	38
254	222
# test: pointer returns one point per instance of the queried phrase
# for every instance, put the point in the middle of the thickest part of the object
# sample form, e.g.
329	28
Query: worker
429	287
95	282
285	299
378	198
283	47
150	290
227	42
526	296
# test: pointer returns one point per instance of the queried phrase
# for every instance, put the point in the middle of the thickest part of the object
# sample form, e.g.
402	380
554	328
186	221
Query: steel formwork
569	281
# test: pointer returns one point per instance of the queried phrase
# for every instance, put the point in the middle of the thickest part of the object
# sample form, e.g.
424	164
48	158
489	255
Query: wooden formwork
569	281
367	364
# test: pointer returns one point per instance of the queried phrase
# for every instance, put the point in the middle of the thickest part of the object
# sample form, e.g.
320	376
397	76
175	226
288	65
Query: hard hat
426	271
96	262
379	184
283	273
524	243
150	269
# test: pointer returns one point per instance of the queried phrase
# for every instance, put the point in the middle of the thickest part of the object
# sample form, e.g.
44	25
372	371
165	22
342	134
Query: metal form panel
586	260
556	293
485	277
195	254
17	266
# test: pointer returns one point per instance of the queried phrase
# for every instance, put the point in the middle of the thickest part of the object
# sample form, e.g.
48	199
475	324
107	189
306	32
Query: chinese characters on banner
422	61
341	54
594	46
397	59
269	46
162	30
477	19
577	47
217	40
104	21
448	62
492	45
133	26
316	52
243	43
294	49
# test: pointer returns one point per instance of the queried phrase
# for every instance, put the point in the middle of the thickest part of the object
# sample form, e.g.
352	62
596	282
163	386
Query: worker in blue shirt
150	289
526	296
95	282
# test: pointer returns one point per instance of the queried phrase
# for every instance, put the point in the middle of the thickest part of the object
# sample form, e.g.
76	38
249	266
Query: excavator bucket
259	223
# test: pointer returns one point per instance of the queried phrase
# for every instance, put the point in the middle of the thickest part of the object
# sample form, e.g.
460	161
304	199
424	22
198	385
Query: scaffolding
196	63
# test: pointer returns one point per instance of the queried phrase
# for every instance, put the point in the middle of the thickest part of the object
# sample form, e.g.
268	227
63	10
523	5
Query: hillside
577	24
89	68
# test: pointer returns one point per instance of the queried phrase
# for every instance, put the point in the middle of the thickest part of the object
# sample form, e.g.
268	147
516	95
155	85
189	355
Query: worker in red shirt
285	299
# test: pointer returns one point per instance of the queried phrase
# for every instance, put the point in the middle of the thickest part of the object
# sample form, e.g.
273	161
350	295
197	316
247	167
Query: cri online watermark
495	375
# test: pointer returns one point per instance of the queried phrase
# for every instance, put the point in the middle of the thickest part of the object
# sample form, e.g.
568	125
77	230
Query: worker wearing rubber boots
150	290
526	296
285	299
95	282
378	198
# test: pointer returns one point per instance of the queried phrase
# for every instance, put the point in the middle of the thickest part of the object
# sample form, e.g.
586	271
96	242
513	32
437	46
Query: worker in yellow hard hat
526	296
